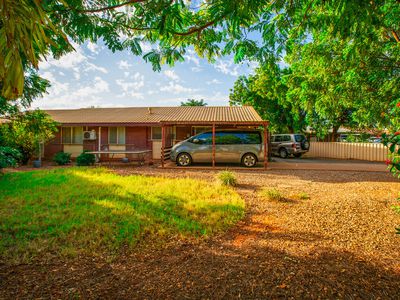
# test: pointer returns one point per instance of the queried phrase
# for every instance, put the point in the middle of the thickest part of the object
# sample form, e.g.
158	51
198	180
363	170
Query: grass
93	211
303	196
272	194
227	178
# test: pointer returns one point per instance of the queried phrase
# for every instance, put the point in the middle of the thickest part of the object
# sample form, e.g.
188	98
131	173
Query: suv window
278	138
286	138
299	138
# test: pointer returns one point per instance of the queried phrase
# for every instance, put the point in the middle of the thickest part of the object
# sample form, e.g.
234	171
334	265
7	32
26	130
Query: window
116	135
156	133
237	137
204	138
286	138
299	138
72	135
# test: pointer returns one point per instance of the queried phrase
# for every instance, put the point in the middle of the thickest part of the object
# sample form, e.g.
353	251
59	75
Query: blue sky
94	76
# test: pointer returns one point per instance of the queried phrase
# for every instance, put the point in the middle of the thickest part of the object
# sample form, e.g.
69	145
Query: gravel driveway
340	243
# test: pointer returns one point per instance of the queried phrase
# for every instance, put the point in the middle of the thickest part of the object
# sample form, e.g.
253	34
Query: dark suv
284	145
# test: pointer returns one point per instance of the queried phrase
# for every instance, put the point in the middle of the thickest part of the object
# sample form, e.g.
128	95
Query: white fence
361	151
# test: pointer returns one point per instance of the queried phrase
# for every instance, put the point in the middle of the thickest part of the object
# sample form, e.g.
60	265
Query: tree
27	131
266	92
193	102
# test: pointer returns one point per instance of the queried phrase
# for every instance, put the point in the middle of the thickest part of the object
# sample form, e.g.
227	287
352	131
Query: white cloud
124	65
196	69
131	88
93	67
171	75
214	81
175	88
94	48
191	56
226	67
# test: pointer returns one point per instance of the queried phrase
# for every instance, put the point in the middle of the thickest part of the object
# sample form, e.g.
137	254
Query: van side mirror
196	141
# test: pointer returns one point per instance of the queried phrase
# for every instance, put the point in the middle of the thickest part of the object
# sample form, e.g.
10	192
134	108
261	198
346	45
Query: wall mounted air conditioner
89	135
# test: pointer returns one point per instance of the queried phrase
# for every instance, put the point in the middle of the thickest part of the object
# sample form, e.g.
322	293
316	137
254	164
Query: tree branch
95	10
396	36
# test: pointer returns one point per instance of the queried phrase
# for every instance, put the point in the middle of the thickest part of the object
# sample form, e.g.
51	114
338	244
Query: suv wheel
249	160
283	153
184	160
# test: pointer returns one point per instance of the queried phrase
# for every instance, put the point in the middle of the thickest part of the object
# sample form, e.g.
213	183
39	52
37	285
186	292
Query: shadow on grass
90	211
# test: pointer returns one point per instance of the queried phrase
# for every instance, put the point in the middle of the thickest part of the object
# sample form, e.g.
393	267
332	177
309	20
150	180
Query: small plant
272	194
61	158
227	178
9	157
85	159
303	196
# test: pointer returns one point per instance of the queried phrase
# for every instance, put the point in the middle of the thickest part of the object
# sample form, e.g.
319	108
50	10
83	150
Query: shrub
61	158
303	196
9	157
85	159
272	194
227	178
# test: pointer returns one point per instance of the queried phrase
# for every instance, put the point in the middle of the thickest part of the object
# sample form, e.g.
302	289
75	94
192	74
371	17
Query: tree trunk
334	133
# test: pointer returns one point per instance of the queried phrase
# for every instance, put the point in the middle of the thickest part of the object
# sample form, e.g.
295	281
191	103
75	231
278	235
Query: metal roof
153	115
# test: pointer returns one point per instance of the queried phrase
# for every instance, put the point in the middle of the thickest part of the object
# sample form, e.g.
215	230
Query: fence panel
360	151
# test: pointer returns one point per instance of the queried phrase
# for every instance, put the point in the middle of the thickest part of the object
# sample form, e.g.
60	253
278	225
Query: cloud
123	65
226	67
196	69
191	56
175	88
93	67
171	75
94	48
214	81
131	88
65	95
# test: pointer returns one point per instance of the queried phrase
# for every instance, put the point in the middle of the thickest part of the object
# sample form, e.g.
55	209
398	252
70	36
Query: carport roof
154	115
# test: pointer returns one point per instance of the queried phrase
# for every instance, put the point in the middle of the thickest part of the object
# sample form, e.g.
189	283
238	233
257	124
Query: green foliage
85	159
62	158
272	194
95	212
8	157
267	91
303	196
227	178
194	102
27	132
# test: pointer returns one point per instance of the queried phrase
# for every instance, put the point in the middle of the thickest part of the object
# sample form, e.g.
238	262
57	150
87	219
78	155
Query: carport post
265	146
213	145
162	145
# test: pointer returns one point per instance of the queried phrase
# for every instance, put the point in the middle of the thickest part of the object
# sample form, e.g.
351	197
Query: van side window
204	138
227	138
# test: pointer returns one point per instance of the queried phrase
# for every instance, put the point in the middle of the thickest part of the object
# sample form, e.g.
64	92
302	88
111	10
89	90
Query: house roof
154	115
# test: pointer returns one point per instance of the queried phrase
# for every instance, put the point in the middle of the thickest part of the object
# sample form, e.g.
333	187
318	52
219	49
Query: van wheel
184	160
249	160
283	153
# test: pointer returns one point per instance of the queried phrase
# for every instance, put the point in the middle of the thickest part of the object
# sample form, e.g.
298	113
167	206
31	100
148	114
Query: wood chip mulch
340	243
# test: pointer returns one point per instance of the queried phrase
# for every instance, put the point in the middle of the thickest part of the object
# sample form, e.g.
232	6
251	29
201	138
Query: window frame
71	129
118	134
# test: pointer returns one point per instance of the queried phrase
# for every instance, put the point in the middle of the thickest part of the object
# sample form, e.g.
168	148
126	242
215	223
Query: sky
94	76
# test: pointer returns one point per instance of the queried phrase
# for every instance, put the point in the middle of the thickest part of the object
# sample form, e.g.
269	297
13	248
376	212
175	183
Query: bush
9	157
85	159
303	196
227	178
61	158
272	194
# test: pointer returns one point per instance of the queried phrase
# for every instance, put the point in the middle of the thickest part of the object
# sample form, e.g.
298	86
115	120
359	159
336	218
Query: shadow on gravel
215	270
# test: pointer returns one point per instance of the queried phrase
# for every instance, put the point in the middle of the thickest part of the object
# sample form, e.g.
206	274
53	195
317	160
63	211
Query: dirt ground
340	243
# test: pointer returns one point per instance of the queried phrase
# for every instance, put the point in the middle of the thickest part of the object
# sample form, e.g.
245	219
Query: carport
237	122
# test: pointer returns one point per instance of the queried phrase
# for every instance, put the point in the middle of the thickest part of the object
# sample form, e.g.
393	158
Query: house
141	128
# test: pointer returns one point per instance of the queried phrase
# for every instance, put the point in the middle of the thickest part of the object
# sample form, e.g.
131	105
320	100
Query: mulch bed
340	243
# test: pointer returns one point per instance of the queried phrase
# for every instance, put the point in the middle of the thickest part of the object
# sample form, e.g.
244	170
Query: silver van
231	146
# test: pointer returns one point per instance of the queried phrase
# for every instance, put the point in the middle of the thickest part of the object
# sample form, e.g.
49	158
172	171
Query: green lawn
93	211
